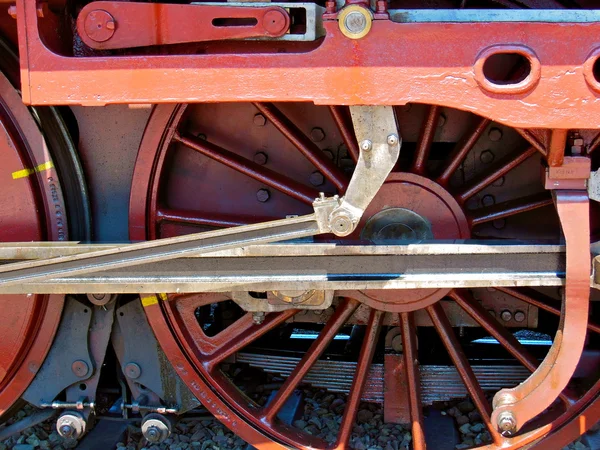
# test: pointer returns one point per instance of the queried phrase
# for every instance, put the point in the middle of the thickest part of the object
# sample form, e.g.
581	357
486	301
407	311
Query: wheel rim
32	210
231	195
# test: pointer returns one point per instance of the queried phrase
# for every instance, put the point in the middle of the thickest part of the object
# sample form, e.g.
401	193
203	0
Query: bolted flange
156	428
71	425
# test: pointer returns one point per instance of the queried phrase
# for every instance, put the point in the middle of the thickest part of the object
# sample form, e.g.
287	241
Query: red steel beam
444	60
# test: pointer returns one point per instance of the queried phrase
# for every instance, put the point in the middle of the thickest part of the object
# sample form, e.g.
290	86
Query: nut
392	140
263	195
316	178
366	145
486	156
317	134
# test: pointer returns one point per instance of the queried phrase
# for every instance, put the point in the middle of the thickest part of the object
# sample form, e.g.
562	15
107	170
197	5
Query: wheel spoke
425	140
205	219
509	208
532	297
501	169
341	116
460	152
329	331
250	168
409	343
367	351
242	333
444	329
532	139
304	144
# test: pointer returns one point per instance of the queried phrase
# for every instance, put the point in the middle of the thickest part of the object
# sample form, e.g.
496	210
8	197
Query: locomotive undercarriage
383	243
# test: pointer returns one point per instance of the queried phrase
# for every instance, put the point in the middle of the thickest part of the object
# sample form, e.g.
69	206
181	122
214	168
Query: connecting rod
338	215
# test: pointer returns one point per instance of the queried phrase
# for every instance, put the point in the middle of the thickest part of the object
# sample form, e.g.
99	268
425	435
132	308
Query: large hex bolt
156	428
71	425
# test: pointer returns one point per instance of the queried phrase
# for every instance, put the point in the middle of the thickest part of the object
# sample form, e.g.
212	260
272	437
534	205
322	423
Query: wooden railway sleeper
515	407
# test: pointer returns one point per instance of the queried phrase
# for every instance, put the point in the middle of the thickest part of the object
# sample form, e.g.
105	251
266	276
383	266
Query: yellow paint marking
26	172
149	300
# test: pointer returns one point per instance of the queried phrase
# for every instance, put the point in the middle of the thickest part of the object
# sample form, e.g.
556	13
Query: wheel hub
410	207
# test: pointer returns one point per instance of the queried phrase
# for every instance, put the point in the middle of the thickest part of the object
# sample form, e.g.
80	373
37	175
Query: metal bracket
515	407
379	142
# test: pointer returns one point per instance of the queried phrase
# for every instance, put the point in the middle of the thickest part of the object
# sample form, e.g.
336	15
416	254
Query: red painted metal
334	73
105	25
533	396
31	209
161	160
409	348
396	408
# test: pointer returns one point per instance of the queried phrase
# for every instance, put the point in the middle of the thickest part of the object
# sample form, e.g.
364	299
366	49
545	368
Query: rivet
132	370
316	178
519	316
260	120
80	368
488	200
261	158
495	134
486	156
506	315
366	145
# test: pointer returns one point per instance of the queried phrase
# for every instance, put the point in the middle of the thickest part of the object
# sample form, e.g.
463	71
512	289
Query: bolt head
263	195
261	158
258	318
132	370
507	423
520	316
366	145
486	157
392	140
317	134
495	134
488	200
66	431
80	368
316	178
260	120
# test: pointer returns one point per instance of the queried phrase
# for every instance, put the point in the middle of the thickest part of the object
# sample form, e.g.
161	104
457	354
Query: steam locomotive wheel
31	209
216	165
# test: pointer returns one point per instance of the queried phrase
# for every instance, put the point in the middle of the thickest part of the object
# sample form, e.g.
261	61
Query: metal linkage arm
107	25
375	124
514	407
379	143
